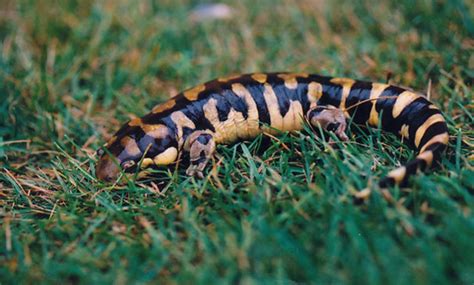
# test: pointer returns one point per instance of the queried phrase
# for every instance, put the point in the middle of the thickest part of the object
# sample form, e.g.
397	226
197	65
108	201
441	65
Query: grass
273	210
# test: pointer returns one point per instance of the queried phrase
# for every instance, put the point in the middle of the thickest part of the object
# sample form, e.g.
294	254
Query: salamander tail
432	144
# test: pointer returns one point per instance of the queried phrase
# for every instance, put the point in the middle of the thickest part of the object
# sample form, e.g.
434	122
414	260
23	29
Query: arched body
227	110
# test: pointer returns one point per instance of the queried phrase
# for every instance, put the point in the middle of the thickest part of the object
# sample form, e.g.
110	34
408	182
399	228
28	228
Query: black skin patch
360	91
412	167
168	122
214	86
126	130
421	164
433	130
332	127
384	106
332	93
237	103
301	95
283	99
116	148
256	91
147	142
153	119
223	107
228	100
316	111
437	149
167	142
195	112
278	85
204	138
386	182
187	131
208	92
417	121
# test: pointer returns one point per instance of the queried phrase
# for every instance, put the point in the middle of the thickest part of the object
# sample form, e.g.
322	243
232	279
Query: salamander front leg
201	147
330	119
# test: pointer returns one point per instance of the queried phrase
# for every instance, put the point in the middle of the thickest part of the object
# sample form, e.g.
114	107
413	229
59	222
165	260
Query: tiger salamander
226	110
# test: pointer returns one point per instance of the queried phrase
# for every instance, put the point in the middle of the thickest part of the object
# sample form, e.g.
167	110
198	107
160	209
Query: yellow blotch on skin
293	119
377	89
251	128
398	174
193	93
226	131
166	157
146	162
272	106
164	106
130	146
210	111
259	77
342	81
346	84
404	131
155	131
422	129
291	83
403	100
290	79
181	121
228	78
315	91
135	122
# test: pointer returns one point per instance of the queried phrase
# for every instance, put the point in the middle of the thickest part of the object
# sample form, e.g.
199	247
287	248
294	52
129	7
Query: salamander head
135	143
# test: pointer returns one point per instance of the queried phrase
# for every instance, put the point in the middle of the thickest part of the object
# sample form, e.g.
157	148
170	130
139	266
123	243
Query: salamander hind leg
330	119
201	147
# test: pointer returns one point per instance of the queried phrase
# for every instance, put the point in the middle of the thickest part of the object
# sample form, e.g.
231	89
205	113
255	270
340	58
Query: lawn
273	210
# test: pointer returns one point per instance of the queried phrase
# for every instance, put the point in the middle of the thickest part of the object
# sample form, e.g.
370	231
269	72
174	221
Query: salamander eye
127	164
100	152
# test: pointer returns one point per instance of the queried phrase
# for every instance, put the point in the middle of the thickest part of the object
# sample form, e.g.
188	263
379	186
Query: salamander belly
236	127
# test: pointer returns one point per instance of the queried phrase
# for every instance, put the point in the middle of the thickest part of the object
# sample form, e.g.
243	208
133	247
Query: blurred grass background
72	71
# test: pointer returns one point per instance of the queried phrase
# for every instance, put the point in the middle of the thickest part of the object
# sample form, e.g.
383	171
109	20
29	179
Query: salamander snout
107	170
